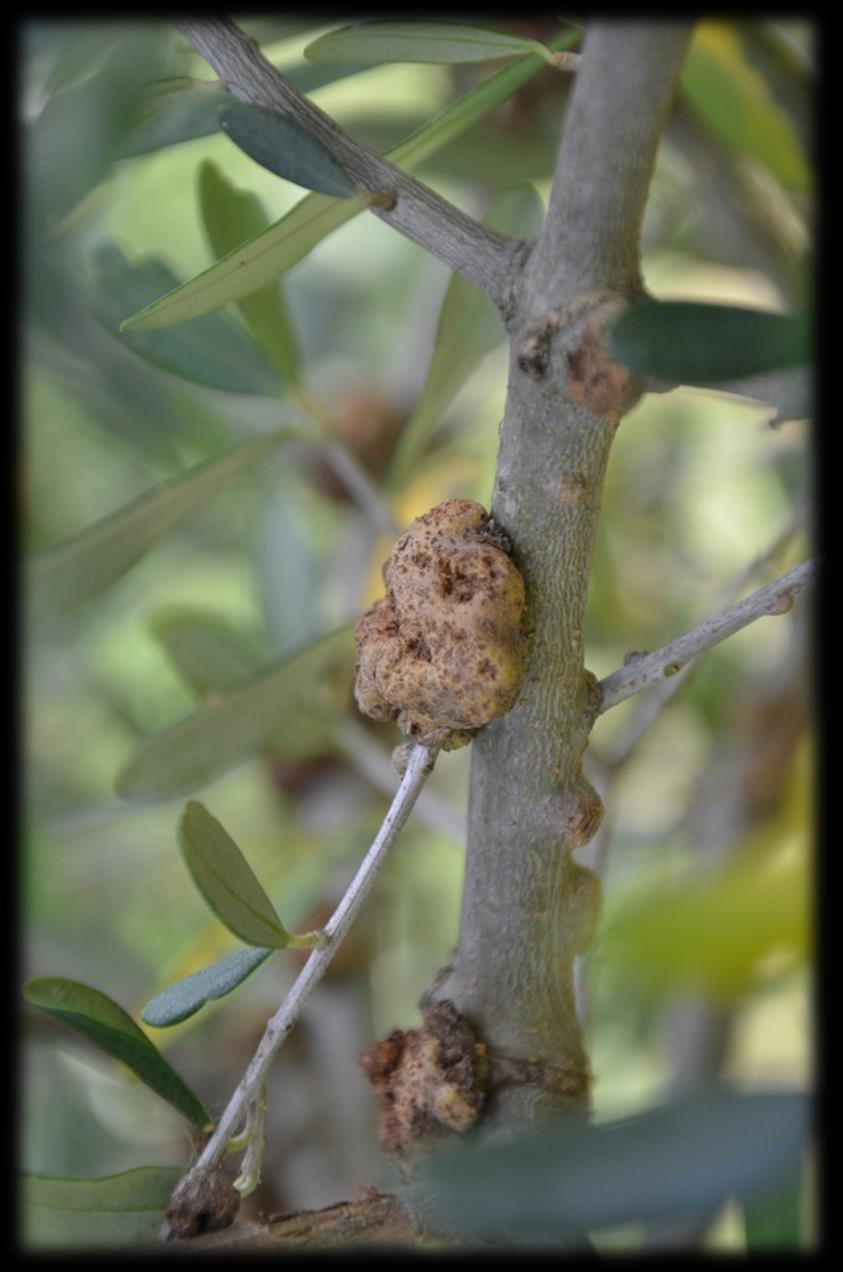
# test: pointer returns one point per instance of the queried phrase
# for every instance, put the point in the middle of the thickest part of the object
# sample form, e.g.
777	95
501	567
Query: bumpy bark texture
443	652
429	1082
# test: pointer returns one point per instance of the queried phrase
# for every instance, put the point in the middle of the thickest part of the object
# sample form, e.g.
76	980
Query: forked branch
482	255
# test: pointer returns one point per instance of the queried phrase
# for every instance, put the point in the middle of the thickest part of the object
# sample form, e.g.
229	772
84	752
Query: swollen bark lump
443	652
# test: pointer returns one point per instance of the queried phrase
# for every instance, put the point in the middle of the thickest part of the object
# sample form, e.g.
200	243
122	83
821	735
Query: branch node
565	60
428	1081
204	1201
385	200
535	352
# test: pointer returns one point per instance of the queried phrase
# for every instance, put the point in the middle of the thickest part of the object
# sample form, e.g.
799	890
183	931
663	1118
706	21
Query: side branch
483	256
246	1104
649	669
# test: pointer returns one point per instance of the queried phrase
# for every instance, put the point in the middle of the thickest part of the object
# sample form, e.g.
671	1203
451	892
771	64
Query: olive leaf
221	733
688	342
446	42
674	1163
111	1213
231	217
211	351
226	880
99	1019
185	997
283	146
79	568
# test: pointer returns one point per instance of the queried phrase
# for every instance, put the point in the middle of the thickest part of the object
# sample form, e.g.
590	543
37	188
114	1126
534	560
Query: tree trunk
528	908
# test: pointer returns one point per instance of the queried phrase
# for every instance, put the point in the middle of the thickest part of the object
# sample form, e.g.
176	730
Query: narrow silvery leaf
445	42
115	1212
226	880
282	145
99	1019
184	998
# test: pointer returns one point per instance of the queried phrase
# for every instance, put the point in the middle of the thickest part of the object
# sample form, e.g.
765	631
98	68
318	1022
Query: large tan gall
442	653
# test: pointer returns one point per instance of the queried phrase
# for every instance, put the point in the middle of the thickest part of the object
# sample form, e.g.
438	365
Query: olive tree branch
648	669
650	708
246	1104
484	256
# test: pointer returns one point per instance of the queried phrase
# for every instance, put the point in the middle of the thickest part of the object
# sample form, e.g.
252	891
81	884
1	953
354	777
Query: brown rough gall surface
428	1081
443	652
204	1203
610	390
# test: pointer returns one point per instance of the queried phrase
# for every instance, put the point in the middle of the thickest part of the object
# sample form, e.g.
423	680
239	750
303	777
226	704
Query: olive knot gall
442	653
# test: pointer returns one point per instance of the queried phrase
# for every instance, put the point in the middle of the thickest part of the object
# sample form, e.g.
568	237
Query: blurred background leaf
113	1213
76	570
209	351
679	1161
734	101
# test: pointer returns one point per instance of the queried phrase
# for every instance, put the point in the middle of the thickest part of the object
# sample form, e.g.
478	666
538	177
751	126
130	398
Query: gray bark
528	907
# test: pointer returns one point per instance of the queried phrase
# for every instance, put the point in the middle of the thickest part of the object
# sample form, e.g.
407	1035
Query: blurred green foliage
708	823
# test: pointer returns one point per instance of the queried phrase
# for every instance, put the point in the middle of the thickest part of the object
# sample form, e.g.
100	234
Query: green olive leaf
231	217
226	880
688	342
446	42
99	1019
220	734
114	1212
283	146
211	351
674	1163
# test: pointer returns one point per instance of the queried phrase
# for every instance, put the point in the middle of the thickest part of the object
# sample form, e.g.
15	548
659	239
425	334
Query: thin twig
246	1101
372	762
363	490
603	770
482	255
649	669
650	708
